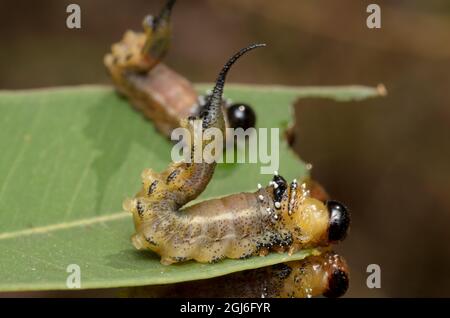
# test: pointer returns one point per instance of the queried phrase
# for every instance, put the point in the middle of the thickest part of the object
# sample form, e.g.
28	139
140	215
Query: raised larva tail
184	181
213	115
158	33
139	52
155	208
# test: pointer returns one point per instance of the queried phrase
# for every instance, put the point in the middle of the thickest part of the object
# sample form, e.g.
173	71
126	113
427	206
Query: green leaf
70	156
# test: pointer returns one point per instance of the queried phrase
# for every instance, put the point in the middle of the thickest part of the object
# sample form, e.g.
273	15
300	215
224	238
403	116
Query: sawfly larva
160	93
325	274
279	217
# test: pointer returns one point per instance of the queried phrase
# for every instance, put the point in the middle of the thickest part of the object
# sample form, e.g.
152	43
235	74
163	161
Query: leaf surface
70	156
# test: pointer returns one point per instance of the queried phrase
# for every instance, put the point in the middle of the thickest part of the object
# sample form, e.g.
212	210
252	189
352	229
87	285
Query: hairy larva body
325	274
235	226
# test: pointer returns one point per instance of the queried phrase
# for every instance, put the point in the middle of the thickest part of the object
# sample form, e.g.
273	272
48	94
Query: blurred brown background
387	158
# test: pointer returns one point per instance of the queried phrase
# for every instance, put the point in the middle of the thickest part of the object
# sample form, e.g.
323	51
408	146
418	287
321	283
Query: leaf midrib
64	225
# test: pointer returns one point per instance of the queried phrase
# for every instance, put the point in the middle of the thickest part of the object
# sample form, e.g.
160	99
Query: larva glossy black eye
337	284
339	221
241	115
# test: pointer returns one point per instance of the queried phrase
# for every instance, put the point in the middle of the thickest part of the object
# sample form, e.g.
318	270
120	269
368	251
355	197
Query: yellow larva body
236	226
227	227
324	274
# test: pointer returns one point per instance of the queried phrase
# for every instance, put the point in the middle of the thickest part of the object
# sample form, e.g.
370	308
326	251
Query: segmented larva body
235	226
161	94
277	217
324	274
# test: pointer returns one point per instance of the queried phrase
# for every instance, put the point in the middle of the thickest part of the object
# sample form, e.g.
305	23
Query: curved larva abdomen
229	227
208	231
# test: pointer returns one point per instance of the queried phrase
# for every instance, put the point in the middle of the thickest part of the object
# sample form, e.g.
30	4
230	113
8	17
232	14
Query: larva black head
339	221
337	283
241	115
212	114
